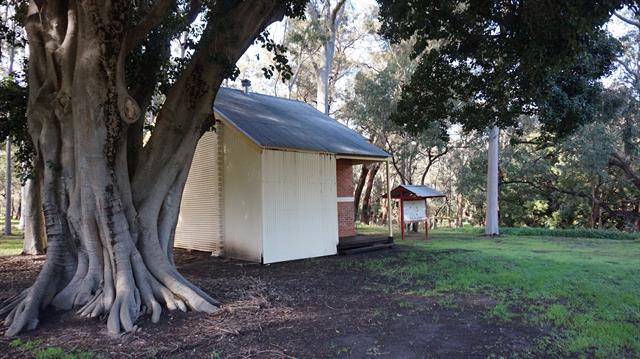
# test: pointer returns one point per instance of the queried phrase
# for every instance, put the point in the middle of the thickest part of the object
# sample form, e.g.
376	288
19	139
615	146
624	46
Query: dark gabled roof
415	192
276	122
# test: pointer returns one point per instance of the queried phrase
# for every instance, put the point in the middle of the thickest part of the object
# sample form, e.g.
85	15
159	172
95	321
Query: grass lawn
11	245
584	291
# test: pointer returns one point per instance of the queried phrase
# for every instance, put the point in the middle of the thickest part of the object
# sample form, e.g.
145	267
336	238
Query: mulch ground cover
316	308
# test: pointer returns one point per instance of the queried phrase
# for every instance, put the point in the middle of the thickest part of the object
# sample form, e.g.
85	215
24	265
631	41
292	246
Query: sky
362	53
618	28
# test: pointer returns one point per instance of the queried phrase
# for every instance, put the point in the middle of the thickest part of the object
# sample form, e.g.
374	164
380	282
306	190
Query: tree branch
618	161
152	20
629	21
336	11
188	105
628	69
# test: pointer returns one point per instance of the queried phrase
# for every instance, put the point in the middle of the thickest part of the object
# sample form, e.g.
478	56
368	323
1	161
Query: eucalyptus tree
110	199
328	18
369	107
320	47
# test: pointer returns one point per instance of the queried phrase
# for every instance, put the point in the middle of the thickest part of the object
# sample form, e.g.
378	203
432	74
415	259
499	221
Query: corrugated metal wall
242	197
299	205
199	222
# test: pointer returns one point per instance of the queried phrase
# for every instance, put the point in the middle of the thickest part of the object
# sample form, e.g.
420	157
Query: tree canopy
484	63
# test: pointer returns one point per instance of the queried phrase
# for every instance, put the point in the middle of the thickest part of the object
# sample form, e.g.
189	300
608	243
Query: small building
272	182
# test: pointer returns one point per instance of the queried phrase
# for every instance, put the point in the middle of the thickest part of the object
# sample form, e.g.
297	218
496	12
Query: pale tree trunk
7	203
459	210
492	226
35	237
110	225
322	91
332	19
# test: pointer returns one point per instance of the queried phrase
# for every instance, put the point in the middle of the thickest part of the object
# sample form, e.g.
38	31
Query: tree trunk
17	212
23	194
365	216
332	19
357	194
459	210
492	228
110	234
383	212
8	197
35	238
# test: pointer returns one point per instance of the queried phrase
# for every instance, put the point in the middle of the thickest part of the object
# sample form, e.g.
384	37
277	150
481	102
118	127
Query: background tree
369	108
326	21
484	64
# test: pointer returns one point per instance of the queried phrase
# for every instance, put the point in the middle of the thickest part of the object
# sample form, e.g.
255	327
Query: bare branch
628	69
629	21
336	12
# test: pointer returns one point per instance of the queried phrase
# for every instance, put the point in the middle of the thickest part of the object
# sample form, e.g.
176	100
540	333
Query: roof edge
226	119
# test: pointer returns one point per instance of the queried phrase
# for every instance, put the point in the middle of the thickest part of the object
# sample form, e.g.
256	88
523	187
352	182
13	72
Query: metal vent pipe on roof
246	84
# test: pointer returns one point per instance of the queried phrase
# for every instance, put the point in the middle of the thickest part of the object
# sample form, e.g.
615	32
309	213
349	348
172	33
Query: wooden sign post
413	211
413	205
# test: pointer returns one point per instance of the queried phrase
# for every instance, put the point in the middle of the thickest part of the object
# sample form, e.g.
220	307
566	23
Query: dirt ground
305	309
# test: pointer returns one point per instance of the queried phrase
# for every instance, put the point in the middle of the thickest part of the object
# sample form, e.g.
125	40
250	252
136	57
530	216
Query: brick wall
346	215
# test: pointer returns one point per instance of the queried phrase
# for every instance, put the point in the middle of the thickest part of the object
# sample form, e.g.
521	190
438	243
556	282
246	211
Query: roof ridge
266	95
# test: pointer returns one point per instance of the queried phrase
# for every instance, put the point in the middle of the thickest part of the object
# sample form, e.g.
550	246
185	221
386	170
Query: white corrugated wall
199	222
299	205
242	197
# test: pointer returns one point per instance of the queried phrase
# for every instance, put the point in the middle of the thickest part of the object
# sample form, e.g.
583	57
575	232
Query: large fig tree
110	199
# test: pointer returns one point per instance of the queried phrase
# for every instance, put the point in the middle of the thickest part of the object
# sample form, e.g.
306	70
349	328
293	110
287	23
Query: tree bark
109	232
357	194
459	210
8	192
35	237
332	19
492	228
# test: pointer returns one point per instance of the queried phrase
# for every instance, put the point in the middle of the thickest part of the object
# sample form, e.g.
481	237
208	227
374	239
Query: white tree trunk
7	212
23	193
8	204
322	94
492	228
332	19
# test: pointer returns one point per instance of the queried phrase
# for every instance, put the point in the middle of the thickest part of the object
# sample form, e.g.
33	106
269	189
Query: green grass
586	289
36	349
11	245
522	231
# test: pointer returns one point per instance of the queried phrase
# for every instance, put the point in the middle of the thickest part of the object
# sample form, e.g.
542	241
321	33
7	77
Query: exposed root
82	286
128	288
25	307
12	302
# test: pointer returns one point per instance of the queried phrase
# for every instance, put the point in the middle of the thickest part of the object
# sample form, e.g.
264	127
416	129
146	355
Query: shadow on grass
573	286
